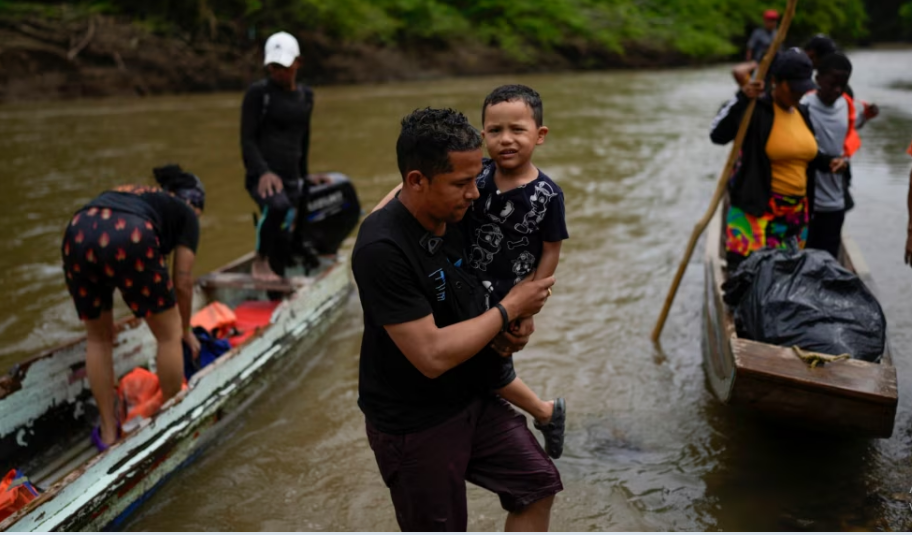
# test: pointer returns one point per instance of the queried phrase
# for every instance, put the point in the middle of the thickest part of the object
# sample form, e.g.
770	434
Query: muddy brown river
648	447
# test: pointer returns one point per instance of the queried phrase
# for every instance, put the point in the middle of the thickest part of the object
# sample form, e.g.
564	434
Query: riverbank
97	56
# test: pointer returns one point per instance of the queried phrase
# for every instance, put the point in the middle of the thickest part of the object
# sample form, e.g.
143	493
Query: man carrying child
426	369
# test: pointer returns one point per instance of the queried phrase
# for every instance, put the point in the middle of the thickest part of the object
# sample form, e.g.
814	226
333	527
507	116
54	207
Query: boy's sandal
553	431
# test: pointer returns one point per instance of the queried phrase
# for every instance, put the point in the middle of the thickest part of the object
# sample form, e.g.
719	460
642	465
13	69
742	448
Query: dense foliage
694	28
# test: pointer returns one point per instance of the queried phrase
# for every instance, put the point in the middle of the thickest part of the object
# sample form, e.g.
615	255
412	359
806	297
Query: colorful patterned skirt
786	218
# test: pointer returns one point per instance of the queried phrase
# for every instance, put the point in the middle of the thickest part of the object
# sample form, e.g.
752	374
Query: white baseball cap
281	48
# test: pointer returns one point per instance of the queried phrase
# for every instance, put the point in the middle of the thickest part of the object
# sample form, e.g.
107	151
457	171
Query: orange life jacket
852	140
15	493
216	318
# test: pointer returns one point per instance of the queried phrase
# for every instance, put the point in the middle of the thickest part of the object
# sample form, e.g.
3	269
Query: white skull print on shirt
486	244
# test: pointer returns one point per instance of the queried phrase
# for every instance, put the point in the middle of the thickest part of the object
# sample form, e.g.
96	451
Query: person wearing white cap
275	139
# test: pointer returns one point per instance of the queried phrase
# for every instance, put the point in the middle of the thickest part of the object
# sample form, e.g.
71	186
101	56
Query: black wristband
505	316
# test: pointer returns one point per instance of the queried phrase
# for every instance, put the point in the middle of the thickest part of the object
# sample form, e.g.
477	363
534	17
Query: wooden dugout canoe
44	431
849	397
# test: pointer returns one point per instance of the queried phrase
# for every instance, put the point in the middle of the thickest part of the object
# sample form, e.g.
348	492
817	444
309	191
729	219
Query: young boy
516	226
836	119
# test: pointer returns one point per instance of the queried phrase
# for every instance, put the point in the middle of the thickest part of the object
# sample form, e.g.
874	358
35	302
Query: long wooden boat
44	430
850	397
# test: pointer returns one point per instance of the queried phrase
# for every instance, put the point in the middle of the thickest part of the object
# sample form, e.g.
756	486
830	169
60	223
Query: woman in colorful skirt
121	239
769	191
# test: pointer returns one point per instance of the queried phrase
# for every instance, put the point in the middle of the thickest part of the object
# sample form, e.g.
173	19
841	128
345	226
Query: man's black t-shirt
275	131
173	219
405	273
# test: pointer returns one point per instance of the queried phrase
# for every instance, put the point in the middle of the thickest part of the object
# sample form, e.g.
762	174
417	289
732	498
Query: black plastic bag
805	299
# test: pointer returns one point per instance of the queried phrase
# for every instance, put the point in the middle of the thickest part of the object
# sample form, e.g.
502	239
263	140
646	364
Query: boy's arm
389	196
549	258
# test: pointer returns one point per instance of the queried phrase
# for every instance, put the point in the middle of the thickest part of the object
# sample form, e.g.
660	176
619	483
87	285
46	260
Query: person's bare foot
261	271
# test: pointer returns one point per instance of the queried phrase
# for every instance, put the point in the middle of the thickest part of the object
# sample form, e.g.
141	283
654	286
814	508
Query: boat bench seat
247	282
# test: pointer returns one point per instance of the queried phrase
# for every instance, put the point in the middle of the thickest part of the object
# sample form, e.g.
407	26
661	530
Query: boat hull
106	489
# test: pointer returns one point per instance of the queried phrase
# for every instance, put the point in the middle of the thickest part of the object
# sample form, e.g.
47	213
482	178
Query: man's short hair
835	62
428	137
822	45
510	93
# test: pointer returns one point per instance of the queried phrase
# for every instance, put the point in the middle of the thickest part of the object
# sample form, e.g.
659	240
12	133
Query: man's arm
251	115
434	351
391	296
389	196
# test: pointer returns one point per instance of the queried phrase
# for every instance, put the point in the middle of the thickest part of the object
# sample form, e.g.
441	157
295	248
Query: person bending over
121	239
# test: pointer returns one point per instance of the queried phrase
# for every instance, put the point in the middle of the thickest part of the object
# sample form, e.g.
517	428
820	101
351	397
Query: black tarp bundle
805	299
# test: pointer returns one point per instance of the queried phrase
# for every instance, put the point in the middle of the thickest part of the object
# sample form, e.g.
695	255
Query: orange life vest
216	318
15	493
852	140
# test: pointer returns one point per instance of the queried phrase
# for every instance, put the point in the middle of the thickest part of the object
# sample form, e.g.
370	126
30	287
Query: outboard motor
332	213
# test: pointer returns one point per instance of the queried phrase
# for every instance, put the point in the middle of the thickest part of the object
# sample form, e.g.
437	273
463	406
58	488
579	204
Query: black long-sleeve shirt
275	131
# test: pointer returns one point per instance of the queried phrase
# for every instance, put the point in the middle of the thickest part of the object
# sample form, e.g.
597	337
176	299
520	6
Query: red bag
15	493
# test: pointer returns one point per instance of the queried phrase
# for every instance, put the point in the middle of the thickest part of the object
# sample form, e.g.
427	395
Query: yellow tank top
790	147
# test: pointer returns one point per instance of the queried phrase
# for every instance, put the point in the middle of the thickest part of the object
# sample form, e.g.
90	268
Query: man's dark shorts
487	443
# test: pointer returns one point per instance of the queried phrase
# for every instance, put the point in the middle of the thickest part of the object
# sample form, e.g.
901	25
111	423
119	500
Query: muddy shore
97	56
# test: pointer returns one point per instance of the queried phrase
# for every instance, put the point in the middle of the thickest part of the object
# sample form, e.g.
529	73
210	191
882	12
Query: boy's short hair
428	137
509	93
835	62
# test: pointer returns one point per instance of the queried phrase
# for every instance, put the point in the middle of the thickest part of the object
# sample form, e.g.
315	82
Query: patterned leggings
785	219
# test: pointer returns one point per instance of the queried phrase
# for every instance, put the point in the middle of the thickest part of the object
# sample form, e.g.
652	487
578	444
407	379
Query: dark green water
648	447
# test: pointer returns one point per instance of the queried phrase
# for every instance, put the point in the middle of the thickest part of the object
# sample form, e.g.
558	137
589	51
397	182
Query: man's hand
190	340
871	111
520	329
838	164
269	185
753	89
505	344
319	179
527	298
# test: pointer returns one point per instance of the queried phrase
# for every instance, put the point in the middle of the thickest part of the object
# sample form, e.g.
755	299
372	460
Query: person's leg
169	359
825	232
271	238
507	460
425	472
534	517
744	234
518	393
100	371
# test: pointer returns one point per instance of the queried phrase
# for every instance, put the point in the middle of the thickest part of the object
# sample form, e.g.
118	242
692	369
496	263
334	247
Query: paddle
726	171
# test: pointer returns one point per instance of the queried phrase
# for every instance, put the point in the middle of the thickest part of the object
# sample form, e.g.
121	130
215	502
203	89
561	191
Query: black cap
794	67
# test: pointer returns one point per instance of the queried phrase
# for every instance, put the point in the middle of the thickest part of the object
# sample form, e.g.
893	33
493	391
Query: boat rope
813	359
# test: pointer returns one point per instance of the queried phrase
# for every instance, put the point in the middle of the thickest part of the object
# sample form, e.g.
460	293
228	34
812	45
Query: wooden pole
726	171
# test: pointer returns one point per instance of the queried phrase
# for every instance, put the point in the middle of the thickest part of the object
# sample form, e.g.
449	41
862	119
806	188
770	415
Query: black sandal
553	431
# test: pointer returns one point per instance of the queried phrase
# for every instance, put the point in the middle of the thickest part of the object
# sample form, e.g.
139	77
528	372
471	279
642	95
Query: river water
647	446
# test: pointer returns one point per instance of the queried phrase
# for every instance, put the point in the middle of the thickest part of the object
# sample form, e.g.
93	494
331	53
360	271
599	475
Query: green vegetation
697	29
